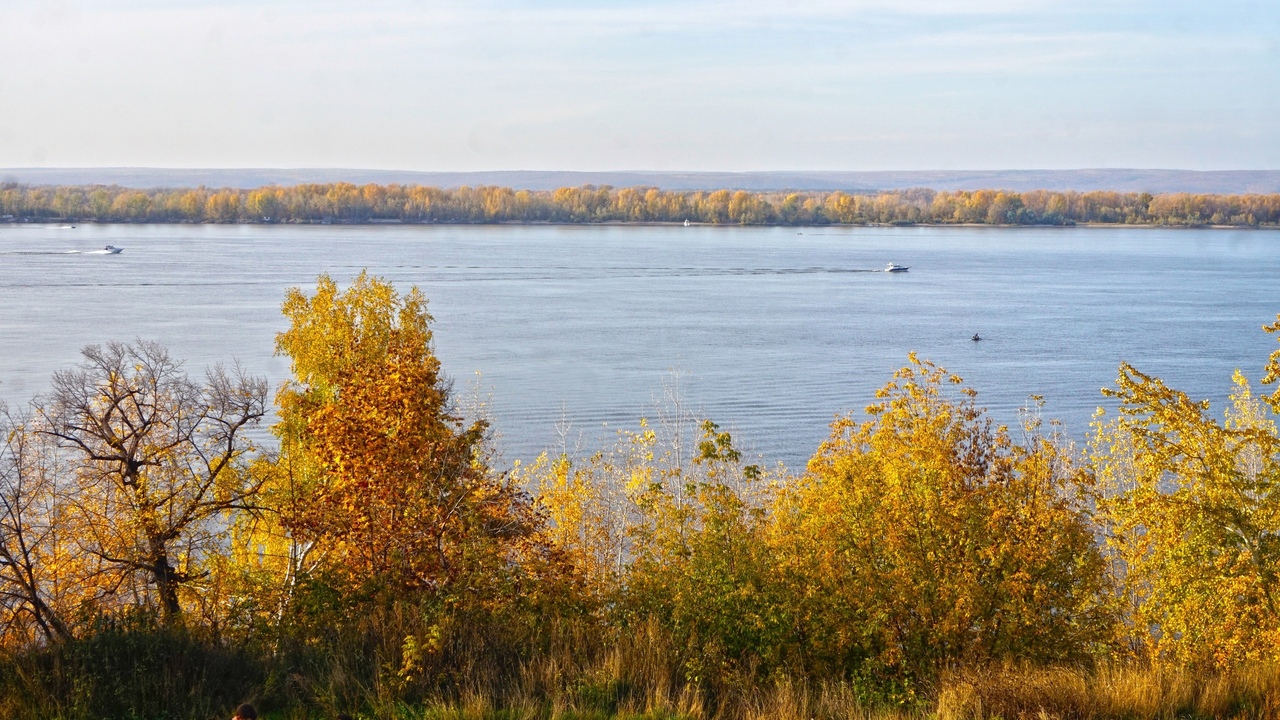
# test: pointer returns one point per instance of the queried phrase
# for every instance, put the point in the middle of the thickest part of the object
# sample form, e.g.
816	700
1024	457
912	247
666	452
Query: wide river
577	330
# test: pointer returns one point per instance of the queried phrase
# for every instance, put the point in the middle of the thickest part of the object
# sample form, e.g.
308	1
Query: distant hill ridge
1118	179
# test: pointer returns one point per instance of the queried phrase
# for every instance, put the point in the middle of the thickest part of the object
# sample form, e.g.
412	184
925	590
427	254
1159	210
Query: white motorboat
896	268
113	250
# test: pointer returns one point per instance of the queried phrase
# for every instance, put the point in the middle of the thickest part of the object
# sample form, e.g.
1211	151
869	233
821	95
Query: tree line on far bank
347	203
156	562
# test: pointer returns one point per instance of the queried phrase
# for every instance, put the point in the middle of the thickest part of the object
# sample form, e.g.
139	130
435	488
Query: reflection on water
777	332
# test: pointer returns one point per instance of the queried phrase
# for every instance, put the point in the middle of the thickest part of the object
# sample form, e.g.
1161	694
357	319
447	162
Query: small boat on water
113	250
896	268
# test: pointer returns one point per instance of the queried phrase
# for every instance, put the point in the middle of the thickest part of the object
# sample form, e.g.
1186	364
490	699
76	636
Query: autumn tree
156	460
1191	506
33	551
590	504
379	481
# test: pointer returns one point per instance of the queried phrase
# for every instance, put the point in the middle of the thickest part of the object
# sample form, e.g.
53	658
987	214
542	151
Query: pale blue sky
692	85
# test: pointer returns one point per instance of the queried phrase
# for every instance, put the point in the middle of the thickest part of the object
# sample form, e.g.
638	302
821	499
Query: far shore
348	204
33	222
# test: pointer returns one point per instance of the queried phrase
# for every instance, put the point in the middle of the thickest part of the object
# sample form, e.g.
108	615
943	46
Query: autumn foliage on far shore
159	559
347	203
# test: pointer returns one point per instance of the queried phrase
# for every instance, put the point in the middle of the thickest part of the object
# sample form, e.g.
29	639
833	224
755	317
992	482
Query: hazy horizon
1126	180
706	85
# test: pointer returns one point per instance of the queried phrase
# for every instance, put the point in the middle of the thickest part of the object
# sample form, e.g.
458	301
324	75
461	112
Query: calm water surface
771	332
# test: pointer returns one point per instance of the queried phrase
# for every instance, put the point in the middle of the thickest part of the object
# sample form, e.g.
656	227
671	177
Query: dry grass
1129	692
616	690
578	676
826	701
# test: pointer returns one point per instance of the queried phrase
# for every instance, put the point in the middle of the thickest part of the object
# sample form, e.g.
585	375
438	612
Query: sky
641	85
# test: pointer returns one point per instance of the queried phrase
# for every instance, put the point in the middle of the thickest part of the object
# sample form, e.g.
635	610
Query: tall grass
139	669
630	681
129	668
1135	692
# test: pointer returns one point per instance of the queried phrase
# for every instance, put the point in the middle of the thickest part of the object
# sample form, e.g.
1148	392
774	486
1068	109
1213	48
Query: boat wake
108	250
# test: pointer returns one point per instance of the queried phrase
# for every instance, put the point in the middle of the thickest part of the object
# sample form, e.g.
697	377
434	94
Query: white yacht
892	267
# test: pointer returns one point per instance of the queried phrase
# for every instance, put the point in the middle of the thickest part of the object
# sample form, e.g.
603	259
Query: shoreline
29	222
343	203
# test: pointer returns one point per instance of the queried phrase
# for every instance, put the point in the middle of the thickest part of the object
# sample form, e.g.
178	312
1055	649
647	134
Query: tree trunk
167	581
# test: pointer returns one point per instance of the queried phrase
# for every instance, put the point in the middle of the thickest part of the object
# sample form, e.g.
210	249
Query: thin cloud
711	84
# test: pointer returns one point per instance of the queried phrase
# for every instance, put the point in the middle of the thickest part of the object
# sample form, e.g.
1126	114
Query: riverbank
342	203
44	222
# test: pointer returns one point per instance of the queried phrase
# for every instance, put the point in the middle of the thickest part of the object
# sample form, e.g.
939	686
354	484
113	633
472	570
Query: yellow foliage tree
377	483
1191	507
925	536
37	558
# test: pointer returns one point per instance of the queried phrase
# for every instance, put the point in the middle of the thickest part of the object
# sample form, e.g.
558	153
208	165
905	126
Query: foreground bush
919	540
1190	508
926	537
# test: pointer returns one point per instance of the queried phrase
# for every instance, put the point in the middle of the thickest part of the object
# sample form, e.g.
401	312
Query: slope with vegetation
154	562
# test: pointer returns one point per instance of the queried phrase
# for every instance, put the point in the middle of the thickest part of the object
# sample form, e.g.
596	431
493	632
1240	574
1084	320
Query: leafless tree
158	459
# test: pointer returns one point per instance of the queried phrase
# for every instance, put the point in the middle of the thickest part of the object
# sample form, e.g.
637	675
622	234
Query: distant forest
348	203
